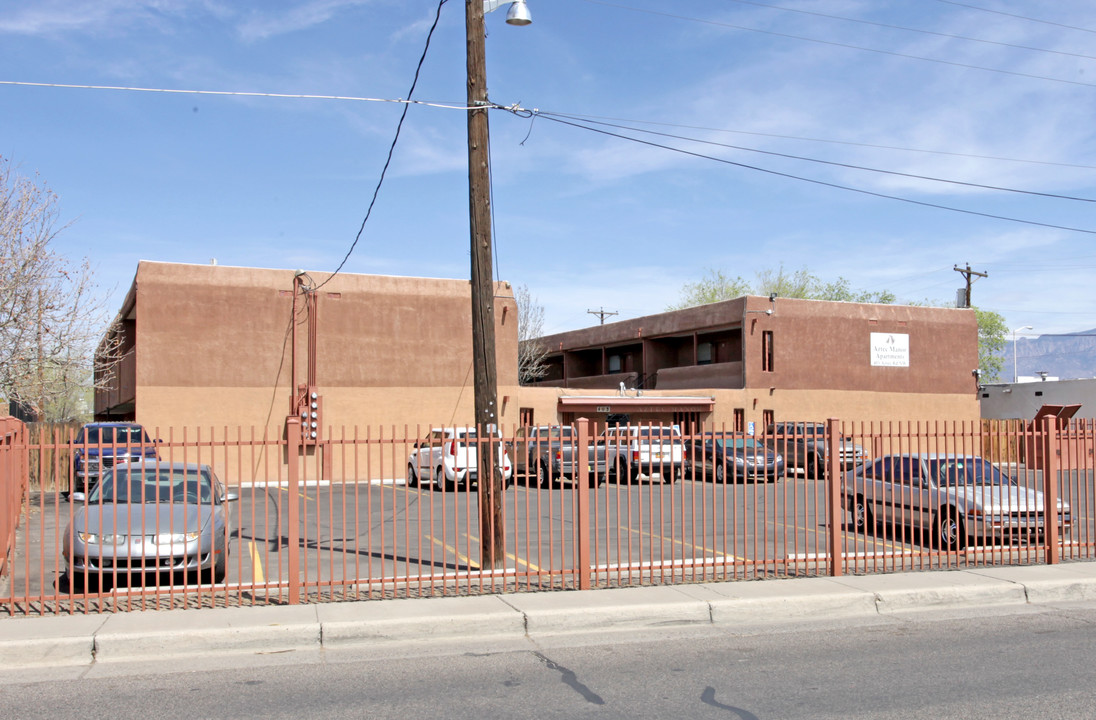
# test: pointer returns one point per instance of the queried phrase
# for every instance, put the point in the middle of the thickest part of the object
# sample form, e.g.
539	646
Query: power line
1021	17
934	33
834	163
814	181
238	93
391	148
849	46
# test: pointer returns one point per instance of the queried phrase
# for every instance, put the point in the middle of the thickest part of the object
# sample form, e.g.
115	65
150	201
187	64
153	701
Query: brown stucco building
755	359
210	346
215	349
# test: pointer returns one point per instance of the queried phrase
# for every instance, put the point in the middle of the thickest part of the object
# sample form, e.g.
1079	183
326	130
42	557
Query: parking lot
382	538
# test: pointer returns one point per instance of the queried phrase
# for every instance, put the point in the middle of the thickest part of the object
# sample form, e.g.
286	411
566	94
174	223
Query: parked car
803	445
103	444
719	456
952	499
449	458
149	517
634	450
545	453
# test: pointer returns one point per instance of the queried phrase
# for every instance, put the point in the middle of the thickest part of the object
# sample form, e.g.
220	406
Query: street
1023	662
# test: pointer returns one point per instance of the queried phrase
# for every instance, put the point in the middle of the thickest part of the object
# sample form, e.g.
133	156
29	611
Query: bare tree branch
531	351
50	318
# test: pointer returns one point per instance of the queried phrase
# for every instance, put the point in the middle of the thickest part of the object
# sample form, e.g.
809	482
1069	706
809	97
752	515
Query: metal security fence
400	512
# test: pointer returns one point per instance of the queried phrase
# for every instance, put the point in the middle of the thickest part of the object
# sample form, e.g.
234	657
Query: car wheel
860	514
950	533
412	478
542	480
811	469
720	473
439	479
447	484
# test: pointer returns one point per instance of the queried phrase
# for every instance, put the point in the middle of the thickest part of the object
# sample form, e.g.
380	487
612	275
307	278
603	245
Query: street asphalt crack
569	678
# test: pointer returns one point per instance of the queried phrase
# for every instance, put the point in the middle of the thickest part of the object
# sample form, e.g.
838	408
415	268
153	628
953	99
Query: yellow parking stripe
466	560
683	544
257	574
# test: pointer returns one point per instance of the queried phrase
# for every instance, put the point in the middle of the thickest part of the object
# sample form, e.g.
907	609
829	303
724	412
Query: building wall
1022	400
214	347
817	345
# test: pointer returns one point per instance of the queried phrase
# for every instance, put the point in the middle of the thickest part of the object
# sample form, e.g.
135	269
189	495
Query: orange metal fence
395	512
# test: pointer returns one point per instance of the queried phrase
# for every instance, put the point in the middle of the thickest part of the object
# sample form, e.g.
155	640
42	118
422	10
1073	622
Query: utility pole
967	273
601	314
485	375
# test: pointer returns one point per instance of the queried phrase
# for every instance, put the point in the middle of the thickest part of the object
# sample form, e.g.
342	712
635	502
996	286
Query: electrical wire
850	143
832	163
391	148
849	46
239	93
934	33
1013	15
814	181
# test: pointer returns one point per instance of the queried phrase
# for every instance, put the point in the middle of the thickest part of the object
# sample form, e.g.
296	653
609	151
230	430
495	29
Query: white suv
448	457
634	450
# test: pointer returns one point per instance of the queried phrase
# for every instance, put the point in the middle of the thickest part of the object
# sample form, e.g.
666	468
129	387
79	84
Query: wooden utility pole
602	313
485	376
967	273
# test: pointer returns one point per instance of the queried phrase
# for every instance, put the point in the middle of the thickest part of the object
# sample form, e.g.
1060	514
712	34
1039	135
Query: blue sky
980	93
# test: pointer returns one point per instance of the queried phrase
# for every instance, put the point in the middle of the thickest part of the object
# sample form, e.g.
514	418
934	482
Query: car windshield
109	434
739	444
128	484
658	432
966	471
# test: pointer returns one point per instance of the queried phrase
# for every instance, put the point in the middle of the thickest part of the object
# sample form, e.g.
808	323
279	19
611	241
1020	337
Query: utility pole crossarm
967	273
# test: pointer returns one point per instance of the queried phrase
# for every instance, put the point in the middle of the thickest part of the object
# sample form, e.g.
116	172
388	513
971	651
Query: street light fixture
1015	376
485	376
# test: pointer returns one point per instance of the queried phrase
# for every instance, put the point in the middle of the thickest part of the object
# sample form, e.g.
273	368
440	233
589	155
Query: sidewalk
162	635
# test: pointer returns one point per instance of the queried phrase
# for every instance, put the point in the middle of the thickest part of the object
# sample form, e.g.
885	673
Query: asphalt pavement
80	641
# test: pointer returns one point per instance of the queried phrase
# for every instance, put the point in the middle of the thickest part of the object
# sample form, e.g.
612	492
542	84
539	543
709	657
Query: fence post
581	471
293	520
834	532
1052	442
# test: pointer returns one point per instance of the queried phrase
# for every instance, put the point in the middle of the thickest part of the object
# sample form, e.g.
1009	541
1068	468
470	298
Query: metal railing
378	513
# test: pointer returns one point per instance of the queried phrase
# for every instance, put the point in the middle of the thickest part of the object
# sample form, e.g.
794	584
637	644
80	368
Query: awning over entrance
619	404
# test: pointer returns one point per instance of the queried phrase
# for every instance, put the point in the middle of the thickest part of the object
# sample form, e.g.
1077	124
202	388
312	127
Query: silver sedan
952	499
148	517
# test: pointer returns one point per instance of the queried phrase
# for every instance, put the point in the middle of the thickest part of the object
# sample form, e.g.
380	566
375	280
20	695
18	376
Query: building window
767	351
767	418
525	416
704	353
614	363
739	420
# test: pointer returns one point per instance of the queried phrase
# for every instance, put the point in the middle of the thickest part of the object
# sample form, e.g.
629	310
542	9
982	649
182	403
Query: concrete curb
155	635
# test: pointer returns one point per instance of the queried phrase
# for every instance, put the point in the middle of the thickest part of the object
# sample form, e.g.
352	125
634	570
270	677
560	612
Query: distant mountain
1068	357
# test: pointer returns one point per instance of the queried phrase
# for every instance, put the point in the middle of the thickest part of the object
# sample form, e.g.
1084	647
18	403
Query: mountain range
1066	357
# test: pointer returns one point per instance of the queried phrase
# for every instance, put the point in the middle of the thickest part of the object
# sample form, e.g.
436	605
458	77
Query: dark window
767	351
704	353
739	420
614	363
525	416
767	418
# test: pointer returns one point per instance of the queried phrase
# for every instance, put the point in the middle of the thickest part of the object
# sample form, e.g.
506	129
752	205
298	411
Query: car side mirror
78	497
230	497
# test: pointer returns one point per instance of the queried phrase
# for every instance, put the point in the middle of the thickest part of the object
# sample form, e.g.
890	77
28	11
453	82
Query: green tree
714	287
803	284
992	332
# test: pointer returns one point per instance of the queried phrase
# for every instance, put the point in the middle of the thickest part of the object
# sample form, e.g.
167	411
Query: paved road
1019	661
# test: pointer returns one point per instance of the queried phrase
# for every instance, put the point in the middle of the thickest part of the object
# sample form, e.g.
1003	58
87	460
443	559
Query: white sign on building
890	350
